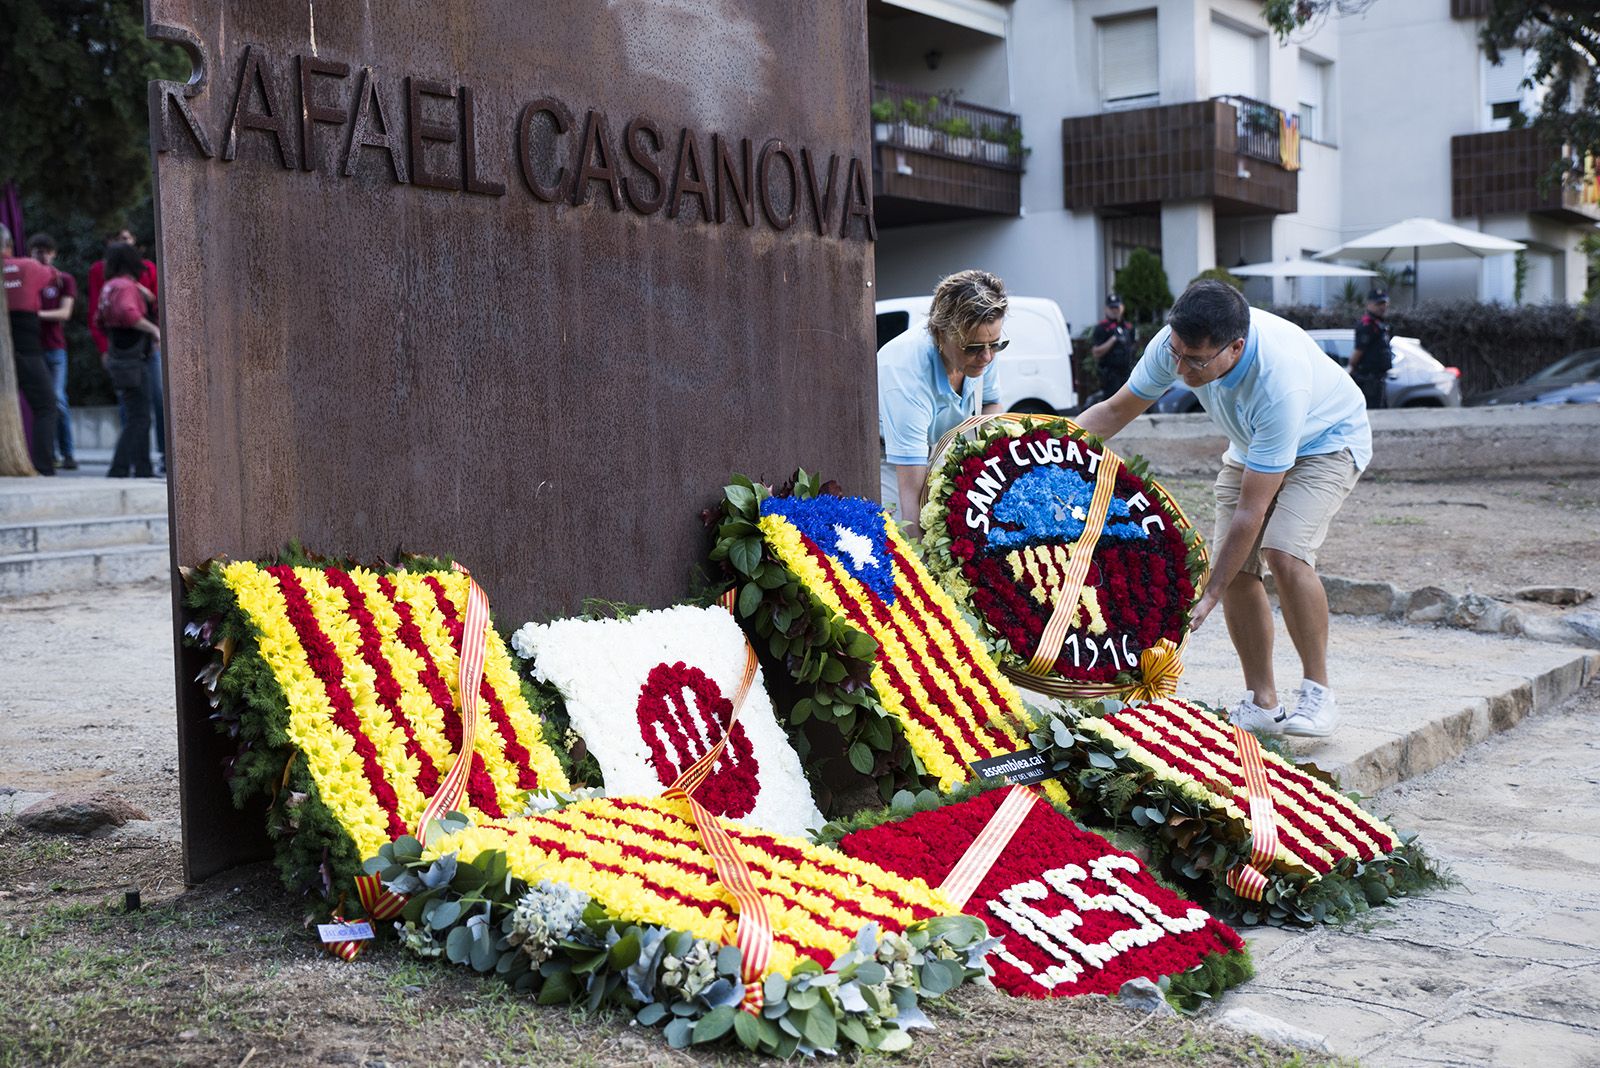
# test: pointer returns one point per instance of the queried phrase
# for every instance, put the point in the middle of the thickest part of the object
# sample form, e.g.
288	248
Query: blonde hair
965	301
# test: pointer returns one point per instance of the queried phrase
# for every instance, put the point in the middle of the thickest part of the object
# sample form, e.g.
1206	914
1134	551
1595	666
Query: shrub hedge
1495	345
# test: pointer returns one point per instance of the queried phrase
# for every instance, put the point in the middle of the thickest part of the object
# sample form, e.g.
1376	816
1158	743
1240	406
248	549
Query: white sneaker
1252	717
1315	712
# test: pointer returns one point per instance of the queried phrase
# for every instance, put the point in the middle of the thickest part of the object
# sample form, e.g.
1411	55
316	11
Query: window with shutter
1237	61
1314	125
1128	71
1503	95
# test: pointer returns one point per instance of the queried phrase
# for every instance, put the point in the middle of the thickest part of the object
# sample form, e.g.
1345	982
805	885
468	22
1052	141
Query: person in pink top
130	335
25	281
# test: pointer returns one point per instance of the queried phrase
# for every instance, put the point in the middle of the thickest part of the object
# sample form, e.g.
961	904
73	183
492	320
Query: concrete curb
1448	736
1407	444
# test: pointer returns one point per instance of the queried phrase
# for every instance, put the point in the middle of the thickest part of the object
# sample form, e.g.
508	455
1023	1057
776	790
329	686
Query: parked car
1035	369
1573	379
1416	379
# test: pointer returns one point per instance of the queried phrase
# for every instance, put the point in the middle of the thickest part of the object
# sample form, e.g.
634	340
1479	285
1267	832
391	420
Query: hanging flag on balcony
1289	141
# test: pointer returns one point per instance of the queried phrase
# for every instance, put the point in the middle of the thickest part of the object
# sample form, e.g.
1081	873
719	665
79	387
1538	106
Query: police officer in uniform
1112	345
1372	357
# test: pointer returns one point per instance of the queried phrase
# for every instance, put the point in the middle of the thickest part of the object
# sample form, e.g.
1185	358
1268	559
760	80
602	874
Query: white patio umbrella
1299	269
1427	239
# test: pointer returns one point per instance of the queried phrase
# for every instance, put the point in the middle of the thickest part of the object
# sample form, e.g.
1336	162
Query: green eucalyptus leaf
484	955
714	1024
679	1033
821	1029
894	1041
557	989
747	1029
458	946
626	952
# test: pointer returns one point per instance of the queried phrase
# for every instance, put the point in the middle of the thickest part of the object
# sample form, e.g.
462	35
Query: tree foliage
1564	40
1142	285
74	129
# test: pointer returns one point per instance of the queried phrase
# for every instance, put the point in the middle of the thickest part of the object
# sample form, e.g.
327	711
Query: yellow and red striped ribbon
969	872
755	925
474	646
1160	667
346	951
381	904
1249	880
1066	608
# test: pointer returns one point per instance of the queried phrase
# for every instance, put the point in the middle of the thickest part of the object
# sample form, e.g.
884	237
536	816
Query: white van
1035	369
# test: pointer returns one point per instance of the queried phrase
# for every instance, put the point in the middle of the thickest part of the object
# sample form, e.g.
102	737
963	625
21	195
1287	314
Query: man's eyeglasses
1198	365
981	347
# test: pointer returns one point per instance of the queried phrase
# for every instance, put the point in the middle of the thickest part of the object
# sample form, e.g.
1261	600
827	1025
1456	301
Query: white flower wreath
649	695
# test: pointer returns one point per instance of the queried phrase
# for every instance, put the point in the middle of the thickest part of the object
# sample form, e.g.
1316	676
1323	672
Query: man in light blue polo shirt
930	380
1298	439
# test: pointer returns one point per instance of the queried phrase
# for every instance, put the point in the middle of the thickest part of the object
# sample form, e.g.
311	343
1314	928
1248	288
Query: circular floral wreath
1003	512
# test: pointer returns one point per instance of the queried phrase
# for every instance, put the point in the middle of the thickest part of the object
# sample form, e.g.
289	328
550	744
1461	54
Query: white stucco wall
1404	79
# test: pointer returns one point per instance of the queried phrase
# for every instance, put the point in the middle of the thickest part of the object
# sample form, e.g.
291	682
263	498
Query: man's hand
1198	615
1112	414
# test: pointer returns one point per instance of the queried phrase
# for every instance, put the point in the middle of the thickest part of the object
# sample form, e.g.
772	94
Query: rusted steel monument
523	282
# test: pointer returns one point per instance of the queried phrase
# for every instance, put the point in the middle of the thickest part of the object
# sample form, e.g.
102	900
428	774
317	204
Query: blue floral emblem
850	530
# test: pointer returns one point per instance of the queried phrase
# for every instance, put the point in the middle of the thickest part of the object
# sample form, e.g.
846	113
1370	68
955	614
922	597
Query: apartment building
1186	127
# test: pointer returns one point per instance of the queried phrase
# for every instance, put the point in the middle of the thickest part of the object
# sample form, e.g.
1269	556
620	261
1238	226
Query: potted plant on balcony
1014	146
884	112
995	144
958	139
914	119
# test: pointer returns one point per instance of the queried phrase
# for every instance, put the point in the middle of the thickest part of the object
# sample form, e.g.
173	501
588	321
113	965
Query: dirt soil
225	973
1492	536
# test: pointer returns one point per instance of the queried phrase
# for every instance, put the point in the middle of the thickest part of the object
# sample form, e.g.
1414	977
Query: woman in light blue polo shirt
930	381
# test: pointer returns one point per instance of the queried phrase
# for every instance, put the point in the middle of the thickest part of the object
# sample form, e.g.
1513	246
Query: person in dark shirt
1372	357
1112	345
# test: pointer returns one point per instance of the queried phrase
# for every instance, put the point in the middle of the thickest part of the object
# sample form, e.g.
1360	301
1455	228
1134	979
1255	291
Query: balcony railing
911	118
936	159
1265	132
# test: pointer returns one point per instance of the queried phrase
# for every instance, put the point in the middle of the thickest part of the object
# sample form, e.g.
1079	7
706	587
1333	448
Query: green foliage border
466	909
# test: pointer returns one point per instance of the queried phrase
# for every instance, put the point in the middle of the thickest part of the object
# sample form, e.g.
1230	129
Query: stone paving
1503	968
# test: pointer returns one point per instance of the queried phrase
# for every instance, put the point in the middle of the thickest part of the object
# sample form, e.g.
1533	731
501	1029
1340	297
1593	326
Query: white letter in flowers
1017	458
1055	456
1054	934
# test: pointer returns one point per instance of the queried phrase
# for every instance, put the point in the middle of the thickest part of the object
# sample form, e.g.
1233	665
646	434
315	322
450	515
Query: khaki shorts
1297	523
